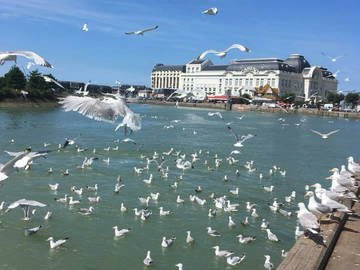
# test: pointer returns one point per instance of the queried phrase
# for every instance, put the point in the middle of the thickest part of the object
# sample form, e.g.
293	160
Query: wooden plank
305	254
346	254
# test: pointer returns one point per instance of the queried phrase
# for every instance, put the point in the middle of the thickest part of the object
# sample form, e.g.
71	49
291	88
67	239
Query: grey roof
197	61
294	63
161	67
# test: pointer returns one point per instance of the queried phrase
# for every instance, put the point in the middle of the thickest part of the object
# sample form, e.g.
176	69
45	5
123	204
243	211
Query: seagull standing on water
148	260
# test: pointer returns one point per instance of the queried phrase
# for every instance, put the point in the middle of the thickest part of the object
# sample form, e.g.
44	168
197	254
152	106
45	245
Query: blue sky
52	28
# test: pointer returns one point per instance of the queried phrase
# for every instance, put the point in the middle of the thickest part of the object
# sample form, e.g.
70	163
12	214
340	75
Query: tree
352	98
15	79
38	87
335	98
288	97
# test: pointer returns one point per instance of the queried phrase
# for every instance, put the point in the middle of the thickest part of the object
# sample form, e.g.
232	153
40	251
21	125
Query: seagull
58	243
51	80
210	11
307	219
332	59
264	224
141	32
8	167
235	260
148	260
179	266
283	253
31	231
128	140
120	232
48	215
216	113
86	211
271	236
268	265
107	108
222	54
189	238
62	200
54	187
212	232
298	232
167	242
72	201
94	199
25	205
179	200
245	240
85	27
222	253
325	135
38	60
316	208
163	212
269	189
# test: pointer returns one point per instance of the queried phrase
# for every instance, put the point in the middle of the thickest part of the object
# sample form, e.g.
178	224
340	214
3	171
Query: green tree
352	98
288	97
335	98
38	87
15	79
2	82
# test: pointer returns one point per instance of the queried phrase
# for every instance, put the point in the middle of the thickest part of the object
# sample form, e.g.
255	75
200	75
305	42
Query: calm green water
303	154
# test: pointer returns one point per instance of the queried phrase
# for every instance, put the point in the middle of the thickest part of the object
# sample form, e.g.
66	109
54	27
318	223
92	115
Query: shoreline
250	108
9	103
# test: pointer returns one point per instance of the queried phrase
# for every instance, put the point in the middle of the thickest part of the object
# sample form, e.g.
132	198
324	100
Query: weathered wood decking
341	250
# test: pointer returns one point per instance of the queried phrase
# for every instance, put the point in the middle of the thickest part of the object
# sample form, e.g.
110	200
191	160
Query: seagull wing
92	108
239	47
8	167
130	33
308	220
202	56
33	56
51	80
317	132
150	29
332	132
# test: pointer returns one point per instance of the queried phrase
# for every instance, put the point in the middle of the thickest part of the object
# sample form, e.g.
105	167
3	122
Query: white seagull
332	59
325	135
85	27
222	54
25	205
38	60
58	243
141	32
211	11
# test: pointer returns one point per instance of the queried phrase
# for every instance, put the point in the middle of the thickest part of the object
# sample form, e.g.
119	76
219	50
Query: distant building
293	75
166	77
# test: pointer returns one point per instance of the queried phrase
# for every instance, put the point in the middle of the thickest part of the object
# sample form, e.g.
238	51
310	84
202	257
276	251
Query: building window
251	82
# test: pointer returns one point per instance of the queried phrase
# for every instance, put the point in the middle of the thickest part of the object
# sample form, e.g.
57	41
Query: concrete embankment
252	108
341	249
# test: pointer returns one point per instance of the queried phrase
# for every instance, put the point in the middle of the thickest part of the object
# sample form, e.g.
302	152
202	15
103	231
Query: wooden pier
340	252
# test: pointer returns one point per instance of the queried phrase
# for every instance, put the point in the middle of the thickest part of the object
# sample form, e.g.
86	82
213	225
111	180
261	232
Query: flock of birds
166	163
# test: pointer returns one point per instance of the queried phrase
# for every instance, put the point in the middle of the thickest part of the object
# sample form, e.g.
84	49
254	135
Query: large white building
293	75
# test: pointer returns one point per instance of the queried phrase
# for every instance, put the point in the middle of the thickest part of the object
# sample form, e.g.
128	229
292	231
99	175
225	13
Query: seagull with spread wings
325	135
12	55
222	54
107	108
333	59
141	32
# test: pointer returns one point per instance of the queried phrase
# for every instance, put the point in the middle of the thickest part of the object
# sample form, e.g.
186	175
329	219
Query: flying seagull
222	54
51	80
25	205
85	27
332	59
141	32
8	167
107	108
211	11
38	60
325	135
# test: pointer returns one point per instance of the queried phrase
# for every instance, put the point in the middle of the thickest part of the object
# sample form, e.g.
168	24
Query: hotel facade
293	75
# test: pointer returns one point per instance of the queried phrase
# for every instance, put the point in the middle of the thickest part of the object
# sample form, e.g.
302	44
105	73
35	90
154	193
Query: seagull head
50	238
309	194
115	227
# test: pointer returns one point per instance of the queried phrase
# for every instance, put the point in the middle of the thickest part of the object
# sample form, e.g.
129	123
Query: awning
218	98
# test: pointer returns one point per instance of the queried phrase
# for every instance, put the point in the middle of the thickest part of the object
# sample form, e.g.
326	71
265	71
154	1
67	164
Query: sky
52	28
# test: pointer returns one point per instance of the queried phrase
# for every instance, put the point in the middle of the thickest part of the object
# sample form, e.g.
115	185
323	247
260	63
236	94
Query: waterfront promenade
253	108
